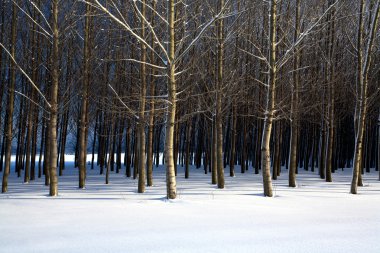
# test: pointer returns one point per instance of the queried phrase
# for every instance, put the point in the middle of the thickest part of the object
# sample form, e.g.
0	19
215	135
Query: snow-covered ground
314	217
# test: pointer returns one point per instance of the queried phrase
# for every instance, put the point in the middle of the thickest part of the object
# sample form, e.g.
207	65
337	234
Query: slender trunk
84	116
171	184
243	146
42	142
34	146
294	106
119	144
218	118
331	111
30	124
233	142
10	103
270	97
149	175
63	142
363	83
214	172
128	150
141	121
277	155
46	170
110	151
54	104
187	148
322	157
152	107
94	140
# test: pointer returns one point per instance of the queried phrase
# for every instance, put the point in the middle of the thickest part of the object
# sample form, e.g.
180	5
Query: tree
84	111
218	115
171	57
294	104
363	72
141	119
270	101
54	103
10	103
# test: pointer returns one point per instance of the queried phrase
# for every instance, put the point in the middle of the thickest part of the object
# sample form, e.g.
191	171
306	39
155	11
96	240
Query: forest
225	86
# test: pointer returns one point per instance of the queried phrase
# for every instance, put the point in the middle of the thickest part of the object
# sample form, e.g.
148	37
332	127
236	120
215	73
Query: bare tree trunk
363	67
218	118
21	130
28	142
54	104
46	170
171	184
322	157
177	132
34	146
31	117
187	148
65	120
119	144
110	151
214	172
233	142
94	140
294	105
10	104
84	111
128	150
277	154
42	143
331	109
149	175
141	120
243	146
270	97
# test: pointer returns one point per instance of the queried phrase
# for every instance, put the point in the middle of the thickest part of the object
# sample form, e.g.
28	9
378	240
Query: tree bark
294	105
84	111
54	104
233	142
187	148
363	83
149	175
218	117
10	103
270	101
141	120
171	184
331	110
214	171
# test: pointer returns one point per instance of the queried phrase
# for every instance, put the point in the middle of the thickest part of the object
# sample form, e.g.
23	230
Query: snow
314	217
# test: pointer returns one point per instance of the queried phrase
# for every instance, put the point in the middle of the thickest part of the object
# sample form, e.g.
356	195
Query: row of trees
261	84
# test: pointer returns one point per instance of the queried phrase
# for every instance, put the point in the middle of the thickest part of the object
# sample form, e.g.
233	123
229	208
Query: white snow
314	217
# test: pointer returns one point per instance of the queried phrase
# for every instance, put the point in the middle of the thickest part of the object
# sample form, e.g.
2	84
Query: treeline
265	85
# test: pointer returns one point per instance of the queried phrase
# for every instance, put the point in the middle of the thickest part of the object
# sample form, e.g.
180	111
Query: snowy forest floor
313	217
